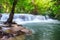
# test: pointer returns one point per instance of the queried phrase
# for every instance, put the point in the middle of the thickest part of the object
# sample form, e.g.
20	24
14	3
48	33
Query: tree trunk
9	20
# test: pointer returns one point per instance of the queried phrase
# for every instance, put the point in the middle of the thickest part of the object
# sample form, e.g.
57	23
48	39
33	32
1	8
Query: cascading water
27	18
43	27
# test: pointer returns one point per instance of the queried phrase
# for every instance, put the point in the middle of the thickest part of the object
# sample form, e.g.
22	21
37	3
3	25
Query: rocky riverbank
8	32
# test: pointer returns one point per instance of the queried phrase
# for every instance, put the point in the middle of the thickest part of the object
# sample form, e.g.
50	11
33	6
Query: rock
27	31
13	31
4	38
21	37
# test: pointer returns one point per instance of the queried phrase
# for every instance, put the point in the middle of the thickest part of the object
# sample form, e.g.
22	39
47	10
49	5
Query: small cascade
27	18
4	17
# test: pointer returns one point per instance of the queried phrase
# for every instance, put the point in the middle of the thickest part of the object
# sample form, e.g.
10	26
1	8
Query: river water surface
43	31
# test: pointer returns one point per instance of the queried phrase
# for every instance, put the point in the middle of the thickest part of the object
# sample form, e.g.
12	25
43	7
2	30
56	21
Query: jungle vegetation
36	7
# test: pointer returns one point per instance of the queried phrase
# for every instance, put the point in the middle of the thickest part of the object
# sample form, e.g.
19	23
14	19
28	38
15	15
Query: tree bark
9	20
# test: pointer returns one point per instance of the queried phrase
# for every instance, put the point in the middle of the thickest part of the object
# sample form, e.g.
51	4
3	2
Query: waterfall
27	18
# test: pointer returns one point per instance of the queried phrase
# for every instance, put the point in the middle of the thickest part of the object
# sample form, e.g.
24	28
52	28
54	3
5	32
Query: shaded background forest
40	7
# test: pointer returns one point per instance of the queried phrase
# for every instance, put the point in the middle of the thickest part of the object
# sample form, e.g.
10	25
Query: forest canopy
49	7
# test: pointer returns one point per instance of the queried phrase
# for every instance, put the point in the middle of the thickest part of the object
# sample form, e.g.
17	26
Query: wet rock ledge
13	30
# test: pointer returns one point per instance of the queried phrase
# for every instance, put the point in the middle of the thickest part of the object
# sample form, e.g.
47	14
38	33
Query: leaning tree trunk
9	20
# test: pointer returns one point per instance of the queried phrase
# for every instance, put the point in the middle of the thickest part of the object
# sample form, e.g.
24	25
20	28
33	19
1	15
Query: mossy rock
21	37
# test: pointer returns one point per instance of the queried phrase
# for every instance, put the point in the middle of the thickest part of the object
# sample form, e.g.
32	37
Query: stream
43	27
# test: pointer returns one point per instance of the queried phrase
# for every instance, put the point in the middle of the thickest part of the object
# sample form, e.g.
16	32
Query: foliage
26	6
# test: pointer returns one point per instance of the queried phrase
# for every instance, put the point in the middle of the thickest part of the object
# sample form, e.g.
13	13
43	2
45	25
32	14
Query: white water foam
28	18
